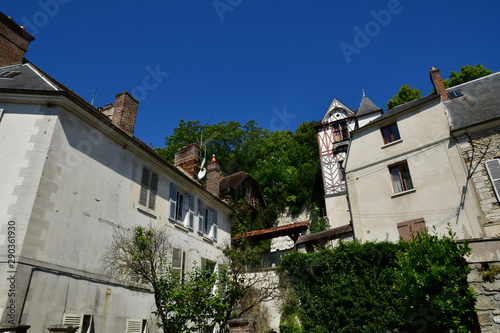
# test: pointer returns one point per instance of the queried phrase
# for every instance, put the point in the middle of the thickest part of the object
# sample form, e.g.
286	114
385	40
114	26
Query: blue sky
278	62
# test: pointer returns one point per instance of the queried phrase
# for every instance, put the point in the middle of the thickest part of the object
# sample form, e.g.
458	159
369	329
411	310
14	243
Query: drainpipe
347	188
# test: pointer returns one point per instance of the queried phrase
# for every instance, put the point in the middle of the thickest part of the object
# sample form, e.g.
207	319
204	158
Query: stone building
71	175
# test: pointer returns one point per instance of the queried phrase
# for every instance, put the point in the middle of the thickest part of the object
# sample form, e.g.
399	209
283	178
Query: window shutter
1	114
173	200
153	190
178	258
493	168
215	226
191	212
73	319
135	325
143	199
201	215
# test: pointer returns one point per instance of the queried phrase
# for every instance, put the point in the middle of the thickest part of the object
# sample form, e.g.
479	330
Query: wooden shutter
407	228
201	215
153	190
143	199
215	226
191	212
493	168
173	200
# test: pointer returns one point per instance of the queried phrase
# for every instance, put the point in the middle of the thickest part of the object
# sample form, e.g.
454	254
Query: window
207	221
181	205
401	180
390	133
207	265
149	188
179	261
455	94
136	325
407	228
340	132
342	170
84	322
493	168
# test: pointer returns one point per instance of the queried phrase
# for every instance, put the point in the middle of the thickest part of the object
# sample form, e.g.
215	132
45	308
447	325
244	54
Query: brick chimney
187	159
123	112
14	41
438	84
213	177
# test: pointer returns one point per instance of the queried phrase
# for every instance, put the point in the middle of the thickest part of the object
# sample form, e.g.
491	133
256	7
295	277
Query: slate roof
367	107
480	102
24	76
233	180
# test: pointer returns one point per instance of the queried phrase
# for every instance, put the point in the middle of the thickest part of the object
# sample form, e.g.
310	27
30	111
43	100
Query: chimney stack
14	41
123	112
213	177
438	84
187	159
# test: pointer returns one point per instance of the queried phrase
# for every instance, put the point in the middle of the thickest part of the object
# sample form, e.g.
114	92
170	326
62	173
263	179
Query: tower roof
367	107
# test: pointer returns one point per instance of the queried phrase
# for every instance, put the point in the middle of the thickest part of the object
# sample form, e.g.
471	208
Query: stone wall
480	147
488	300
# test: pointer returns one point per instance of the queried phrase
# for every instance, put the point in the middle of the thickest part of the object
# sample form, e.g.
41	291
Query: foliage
202	299
406	94
345	289
285	163
184	302
432	283
489	273
318	223
375	287
467	73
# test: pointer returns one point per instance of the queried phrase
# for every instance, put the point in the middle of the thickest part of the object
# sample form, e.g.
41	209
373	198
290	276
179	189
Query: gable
332	115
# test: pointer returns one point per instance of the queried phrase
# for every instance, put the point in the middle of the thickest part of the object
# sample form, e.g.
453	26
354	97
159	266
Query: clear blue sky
278	62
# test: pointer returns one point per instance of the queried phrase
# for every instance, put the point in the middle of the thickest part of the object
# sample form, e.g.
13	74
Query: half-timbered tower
333	140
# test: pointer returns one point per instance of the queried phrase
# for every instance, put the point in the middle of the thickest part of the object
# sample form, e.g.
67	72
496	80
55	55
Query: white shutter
191	212
143	198
493	168
201	215
215	226
1	114
173	200
135	325
153	189
73	319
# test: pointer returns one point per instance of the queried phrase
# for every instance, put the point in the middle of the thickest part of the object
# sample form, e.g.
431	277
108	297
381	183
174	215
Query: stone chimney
187	159
123	112
14	41
213	177
438	84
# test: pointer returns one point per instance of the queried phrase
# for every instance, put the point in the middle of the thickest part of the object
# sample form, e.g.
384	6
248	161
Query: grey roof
24	76
367	107
480	102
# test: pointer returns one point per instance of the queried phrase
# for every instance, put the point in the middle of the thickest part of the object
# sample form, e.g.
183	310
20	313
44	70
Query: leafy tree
467	73
184	303
432	283
406	94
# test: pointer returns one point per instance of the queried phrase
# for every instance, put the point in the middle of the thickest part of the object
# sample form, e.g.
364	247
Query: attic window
9	74
455	94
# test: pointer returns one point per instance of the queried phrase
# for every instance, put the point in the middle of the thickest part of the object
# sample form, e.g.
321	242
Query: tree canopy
406	94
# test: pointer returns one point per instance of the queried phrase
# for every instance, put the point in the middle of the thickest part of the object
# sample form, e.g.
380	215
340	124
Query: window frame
391	134
181	207
149	189
406	183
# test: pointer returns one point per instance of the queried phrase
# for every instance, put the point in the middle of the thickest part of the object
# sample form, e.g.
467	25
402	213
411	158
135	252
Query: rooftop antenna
95	93
203	144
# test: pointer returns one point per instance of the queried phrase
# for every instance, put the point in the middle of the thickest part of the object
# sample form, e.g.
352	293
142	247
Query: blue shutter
173	200
201	215
191	212
215	226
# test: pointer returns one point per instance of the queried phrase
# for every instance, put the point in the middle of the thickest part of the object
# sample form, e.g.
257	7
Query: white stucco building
70	176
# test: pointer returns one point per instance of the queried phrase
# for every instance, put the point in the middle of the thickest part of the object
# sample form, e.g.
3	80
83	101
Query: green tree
432	283
467	73
184	302
406	94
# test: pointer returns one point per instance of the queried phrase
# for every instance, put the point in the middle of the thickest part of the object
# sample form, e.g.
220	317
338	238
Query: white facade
69	178
414	177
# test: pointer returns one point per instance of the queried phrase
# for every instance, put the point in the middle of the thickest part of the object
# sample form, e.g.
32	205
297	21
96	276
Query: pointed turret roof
367	107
